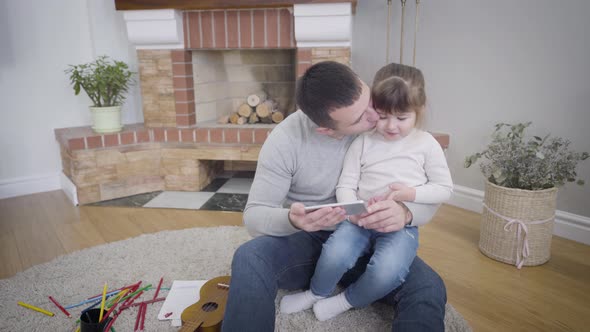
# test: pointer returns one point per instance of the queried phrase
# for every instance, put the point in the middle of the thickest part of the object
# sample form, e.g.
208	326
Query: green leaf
467	162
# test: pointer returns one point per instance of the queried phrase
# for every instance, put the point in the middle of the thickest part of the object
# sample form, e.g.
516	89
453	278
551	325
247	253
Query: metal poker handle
401	39
387	38
415	32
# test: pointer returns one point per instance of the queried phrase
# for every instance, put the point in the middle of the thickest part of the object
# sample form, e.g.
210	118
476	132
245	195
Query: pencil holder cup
89	321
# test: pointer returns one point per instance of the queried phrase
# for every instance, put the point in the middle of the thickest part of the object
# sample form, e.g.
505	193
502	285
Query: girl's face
395	126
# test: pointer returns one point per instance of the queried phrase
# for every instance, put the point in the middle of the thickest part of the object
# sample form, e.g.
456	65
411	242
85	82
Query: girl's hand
401	193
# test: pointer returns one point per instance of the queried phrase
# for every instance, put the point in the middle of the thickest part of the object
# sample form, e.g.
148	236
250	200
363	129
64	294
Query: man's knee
248	255
437	289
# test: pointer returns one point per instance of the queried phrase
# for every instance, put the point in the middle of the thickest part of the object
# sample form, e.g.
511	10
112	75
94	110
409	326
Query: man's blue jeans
265	264
391	255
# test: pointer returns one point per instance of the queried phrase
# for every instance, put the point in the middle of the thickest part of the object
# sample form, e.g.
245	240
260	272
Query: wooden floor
492	296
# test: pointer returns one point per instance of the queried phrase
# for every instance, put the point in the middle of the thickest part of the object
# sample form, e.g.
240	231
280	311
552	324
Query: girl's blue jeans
392	254
265	264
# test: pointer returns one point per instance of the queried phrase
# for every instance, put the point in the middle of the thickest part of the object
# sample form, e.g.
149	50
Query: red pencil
143	316
60	307
138	318
129	301
158	289
146	302
108	327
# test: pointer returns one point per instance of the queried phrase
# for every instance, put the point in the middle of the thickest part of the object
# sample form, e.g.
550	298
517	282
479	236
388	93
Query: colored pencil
143	316
158	289
146	302
126	297
97	302
32	307
109	312
90	300
117	298
110	324
116	290
104	296
60	307
137	318
127	303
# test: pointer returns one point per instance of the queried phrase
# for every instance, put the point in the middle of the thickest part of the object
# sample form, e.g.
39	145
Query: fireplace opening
224	79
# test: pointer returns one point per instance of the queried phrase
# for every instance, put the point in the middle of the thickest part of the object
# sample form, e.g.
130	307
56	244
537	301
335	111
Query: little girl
396	155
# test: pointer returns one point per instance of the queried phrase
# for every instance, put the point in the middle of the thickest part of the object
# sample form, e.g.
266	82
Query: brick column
184	88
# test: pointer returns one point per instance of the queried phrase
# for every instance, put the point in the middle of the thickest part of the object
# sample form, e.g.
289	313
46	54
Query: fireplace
197	60
224	79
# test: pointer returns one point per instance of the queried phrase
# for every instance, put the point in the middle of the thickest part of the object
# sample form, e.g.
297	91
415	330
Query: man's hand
315	220
401	193
385	215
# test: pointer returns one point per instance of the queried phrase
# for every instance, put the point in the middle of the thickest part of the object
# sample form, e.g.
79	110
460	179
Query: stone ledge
84	138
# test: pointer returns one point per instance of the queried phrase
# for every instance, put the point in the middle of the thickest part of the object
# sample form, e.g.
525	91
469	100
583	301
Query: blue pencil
90	300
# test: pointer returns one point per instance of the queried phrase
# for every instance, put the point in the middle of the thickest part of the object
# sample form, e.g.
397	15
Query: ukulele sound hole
210	306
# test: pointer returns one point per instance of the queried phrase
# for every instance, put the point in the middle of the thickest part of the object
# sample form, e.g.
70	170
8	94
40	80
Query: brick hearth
139	160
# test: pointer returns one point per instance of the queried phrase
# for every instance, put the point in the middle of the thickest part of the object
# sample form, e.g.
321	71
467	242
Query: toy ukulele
207	314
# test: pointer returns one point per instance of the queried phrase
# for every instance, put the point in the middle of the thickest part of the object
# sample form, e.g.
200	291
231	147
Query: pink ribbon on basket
521	228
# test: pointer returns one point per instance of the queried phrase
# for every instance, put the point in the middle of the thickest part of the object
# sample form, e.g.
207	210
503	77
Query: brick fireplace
179	146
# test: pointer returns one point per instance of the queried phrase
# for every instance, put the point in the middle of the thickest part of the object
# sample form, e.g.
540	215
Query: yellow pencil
28	306
104	296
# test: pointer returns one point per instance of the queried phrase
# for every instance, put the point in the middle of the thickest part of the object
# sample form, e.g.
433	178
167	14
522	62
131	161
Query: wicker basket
515	220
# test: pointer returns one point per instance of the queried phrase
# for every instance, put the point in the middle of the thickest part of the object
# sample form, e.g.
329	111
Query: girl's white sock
298	302
331	307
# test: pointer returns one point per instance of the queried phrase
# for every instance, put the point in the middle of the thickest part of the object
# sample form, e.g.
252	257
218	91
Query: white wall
492	61
38	39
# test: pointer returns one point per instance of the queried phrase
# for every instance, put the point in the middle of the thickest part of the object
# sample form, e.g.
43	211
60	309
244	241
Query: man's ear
324	131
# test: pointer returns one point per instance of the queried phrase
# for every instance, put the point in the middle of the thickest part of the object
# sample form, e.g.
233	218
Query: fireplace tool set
401	40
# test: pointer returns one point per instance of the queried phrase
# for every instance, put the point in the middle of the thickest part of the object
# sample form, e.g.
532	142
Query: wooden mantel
215	4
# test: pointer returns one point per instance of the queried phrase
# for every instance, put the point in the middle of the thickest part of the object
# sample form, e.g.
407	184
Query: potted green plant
106	82
521	191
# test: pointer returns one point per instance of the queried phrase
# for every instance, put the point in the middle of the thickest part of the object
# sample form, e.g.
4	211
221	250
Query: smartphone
351	208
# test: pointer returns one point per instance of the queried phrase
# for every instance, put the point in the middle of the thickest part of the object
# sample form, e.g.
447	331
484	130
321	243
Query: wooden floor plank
9	257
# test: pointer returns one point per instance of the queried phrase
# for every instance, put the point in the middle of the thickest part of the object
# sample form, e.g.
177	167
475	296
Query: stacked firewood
256	109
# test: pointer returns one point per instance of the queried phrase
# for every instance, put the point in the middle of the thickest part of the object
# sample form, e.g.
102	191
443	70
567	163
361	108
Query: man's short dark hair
324	87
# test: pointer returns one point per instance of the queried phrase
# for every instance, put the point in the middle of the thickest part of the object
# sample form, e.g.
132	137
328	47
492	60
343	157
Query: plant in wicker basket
521	191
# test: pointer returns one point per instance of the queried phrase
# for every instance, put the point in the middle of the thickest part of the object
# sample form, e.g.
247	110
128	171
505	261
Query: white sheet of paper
182	294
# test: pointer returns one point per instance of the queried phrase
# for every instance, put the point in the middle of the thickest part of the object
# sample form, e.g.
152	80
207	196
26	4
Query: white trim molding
155	29
323	24
568	225
69	188
29	185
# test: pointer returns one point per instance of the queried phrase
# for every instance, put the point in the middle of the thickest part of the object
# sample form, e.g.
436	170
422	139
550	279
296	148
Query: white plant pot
106	119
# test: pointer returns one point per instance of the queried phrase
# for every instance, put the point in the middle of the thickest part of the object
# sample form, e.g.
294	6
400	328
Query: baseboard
568	225
69	188
29	185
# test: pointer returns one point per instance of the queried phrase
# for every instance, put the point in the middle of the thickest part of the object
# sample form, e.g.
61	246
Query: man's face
356	118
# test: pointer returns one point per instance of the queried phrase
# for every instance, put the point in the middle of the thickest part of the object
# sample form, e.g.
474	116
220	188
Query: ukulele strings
204	309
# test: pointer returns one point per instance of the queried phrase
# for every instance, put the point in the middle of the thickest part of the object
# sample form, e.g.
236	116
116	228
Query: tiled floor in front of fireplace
228	192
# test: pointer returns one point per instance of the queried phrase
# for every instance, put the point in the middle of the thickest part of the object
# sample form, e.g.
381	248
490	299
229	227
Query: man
300	165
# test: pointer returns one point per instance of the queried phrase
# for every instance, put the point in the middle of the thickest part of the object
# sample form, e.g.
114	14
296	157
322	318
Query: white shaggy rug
190	254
